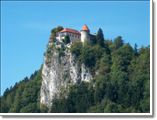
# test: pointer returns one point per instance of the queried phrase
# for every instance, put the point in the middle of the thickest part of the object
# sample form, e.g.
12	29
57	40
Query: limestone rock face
60	71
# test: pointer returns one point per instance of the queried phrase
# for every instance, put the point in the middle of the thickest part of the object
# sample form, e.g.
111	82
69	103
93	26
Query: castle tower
85	34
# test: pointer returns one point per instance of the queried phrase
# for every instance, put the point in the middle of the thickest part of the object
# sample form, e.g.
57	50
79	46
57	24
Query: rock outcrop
60	70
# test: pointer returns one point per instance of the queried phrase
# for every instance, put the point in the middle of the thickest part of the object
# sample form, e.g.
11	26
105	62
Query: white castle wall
73	37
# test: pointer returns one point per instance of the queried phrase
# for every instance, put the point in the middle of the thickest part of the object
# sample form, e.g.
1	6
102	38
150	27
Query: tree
104	65
100	37
93	39
122	57
78	100
4	106
118	42
76	49
135	50
140	81
43	108
88	56
17	103
6	92
24	96
121	82
30	108
66	39
100	86
54	31
59	106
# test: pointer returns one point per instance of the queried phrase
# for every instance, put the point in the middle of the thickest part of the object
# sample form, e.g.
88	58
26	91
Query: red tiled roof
70	31
85	28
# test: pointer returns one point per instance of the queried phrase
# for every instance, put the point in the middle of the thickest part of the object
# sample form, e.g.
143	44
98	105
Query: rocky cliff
60	69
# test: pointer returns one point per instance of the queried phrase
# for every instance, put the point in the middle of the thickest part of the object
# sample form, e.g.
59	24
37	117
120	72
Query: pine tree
135	50
118	42
100	37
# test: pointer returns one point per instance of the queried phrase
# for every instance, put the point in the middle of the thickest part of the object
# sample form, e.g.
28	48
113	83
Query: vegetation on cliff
23	96
121	81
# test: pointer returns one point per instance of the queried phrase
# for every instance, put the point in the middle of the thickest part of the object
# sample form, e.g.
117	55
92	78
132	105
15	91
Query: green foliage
79	99
93	40
118	42
4	105
30	108
88	56
120	84
24	96
50	47
43	108
104	64
123	76
54	31
76	49
135	50
59	105
101	87
66	39
121	58
100	37
106	106
61	51
48	54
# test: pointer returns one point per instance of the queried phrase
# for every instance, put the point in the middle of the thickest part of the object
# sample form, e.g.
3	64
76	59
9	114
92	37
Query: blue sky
25	29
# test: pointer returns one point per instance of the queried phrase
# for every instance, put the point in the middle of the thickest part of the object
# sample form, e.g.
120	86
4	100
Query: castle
74	35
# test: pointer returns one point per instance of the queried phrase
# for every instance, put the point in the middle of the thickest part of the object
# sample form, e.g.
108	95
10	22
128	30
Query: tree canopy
120	84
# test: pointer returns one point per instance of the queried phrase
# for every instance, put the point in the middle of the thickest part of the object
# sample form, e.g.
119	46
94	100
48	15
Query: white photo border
150	114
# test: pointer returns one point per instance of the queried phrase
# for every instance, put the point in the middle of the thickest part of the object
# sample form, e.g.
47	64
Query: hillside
23	96
101	76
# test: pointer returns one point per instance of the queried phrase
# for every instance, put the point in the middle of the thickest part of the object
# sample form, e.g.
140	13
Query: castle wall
73	37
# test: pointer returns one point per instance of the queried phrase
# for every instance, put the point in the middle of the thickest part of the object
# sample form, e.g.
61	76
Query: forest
121	82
